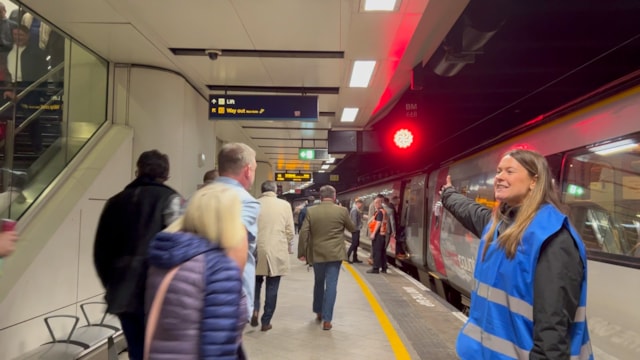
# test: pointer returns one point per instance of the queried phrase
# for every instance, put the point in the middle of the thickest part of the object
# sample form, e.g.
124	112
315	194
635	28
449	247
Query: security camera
213	54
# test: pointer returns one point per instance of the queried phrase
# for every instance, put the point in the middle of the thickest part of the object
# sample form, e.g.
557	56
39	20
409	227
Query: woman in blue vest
531	269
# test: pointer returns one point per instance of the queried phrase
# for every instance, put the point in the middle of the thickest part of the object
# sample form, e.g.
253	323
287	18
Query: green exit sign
306	154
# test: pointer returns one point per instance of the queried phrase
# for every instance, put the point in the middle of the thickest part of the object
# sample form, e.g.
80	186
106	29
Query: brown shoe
266	327
318	317
326	325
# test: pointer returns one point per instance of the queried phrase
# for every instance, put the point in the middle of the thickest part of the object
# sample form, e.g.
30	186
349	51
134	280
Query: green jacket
322	233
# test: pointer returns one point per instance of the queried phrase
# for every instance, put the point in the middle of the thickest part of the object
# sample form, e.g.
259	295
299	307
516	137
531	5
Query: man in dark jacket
128	222
303	211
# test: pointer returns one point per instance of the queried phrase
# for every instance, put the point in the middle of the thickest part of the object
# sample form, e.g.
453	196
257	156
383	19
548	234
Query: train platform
376	316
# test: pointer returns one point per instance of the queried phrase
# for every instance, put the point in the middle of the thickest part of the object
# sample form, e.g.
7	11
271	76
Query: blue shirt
250	212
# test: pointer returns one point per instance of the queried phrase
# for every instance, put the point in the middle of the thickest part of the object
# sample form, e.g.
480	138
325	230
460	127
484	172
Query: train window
555	164
602	190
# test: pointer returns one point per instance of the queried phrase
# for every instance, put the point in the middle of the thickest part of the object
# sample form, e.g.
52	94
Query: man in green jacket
321	244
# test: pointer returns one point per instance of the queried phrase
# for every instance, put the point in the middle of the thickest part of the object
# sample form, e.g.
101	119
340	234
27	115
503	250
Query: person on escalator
26	64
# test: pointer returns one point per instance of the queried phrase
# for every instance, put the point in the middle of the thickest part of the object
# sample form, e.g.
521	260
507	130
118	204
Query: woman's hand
8	241
446	185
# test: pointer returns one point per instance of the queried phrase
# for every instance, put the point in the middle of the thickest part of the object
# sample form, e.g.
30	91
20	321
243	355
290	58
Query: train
593	148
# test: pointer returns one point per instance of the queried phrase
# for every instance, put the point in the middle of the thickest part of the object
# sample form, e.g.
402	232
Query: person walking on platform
237	168
321	244
296	218
199	313
356	218
209	177
529	301
128	222
275	238
303	211
378	226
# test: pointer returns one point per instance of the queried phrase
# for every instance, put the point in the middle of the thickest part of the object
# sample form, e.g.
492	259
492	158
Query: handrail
32	86
33	116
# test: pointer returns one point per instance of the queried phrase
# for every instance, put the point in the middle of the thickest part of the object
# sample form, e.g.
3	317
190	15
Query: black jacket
558	277
127	224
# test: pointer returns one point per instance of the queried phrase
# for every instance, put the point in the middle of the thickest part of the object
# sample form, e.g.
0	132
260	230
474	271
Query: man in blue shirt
237	168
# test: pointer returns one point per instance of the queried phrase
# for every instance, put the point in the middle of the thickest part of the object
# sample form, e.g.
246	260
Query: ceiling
302	31
537	56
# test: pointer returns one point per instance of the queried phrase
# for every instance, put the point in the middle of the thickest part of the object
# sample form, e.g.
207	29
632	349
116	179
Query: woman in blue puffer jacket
204	310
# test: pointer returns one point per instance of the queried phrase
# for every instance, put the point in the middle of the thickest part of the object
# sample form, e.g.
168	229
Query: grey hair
233	157
327	191
269	185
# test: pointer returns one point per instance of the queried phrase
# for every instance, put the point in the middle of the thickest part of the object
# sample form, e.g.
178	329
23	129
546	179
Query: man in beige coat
275	238
322	245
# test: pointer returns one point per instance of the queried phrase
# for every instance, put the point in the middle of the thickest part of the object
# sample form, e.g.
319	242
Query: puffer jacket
203	310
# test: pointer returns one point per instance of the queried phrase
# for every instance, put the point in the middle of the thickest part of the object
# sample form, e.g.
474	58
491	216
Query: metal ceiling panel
106	40
86	11
293	25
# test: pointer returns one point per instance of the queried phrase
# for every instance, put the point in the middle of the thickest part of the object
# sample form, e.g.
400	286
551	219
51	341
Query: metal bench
80	341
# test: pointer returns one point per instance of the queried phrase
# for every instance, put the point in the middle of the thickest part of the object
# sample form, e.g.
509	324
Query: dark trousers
355	242
270	297
400	247
379	252
133	328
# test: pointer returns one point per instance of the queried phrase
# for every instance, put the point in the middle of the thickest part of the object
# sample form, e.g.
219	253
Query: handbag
154	312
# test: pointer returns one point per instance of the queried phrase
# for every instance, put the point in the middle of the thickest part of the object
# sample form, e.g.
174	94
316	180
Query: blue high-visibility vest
500	324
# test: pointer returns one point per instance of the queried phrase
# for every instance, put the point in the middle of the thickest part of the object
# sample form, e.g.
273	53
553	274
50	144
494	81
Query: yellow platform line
394	339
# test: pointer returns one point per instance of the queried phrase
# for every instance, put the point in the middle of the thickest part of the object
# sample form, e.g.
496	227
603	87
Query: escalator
30	137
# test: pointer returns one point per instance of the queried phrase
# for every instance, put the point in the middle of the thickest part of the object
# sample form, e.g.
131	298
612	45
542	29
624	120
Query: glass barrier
53	95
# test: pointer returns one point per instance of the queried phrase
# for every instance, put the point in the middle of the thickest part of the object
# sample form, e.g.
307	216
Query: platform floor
376	316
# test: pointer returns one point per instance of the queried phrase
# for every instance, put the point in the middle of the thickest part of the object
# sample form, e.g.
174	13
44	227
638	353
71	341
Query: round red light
403	138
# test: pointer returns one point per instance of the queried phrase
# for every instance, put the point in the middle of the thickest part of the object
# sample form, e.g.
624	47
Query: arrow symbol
261	111
213	101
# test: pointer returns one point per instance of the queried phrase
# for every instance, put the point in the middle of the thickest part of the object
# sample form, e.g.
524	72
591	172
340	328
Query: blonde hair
214	212
543	192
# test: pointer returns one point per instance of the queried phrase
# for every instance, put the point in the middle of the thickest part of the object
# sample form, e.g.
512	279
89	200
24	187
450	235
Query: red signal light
403	138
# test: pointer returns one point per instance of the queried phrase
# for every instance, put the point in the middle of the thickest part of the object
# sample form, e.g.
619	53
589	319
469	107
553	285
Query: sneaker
373	271
356	261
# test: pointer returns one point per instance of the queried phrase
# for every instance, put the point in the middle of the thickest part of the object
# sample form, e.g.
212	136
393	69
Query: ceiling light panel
379	5
361	73
349	114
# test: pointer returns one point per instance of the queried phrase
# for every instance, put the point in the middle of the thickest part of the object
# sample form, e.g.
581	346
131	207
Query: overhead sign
306	154
263	107
313	154
280	176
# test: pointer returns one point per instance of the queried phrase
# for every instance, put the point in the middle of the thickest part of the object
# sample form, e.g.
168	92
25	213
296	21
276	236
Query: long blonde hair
214	212
542	193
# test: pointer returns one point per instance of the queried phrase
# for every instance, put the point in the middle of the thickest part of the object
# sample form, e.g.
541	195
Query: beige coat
322	233
275	235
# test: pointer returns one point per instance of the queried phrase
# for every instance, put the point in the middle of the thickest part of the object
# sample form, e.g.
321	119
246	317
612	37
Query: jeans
355	241
270	297
133	327
325	288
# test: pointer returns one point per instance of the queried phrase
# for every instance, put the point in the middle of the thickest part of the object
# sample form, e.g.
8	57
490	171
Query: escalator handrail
32	86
